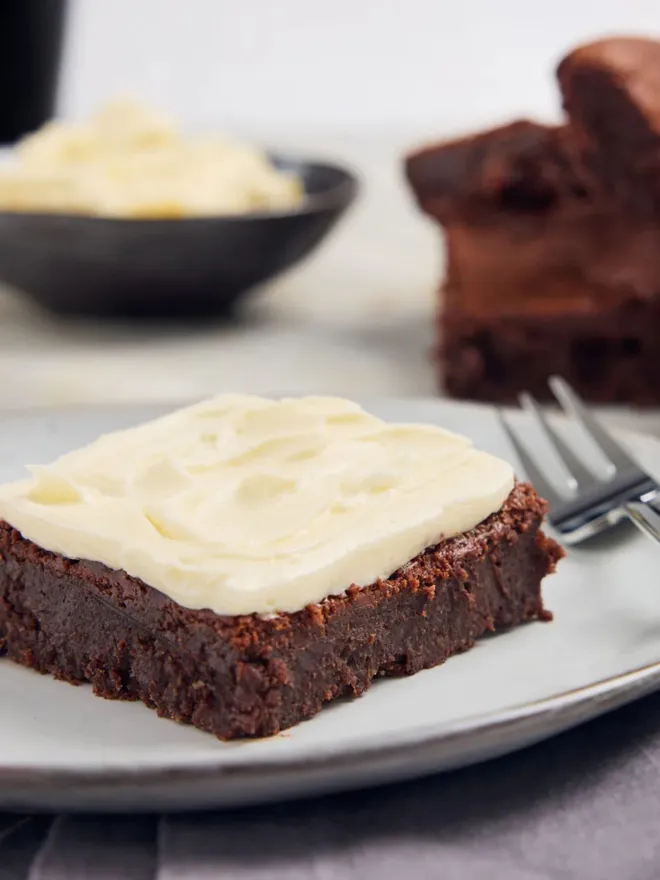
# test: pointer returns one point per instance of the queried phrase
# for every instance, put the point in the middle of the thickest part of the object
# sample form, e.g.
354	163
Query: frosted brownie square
239	563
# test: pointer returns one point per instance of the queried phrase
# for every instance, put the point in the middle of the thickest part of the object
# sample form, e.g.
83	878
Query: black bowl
192	267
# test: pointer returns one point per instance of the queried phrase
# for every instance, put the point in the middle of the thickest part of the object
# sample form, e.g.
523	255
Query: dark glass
31	36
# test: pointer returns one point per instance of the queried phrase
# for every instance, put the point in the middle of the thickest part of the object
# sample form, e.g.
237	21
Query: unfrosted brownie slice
552	239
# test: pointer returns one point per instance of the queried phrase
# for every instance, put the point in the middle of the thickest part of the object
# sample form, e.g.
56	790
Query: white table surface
356	319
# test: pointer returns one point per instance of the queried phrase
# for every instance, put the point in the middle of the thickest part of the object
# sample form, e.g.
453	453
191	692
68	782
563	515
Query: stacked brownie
553	238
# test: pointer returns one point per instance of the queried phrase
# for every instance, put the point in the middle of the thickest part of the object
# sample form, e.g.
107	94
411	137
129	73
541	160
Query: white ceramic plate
63	748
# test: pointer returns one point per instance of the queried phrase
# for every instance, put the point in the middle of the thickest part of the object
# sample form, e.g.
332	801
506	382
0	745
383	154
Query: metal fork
588	503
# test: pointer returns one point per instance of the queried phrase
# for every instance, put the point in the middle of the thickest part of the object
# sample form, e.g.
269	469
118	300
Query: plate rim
626	685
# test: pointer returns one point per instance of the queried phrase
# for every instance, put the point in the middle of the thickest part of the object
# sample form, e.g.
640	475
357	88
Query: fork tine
613	452
579	476
536	477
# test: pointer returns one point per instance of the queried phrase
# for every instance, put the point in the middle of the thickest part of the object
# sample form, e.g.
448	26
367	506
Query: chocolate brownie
611	93
552	235
253	675
610	354
518	168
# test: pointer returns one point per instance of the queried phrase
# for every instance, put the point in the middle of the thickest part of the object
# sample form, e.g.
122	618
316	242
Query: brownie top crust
611	94
517	169
544	219
246	505
630	65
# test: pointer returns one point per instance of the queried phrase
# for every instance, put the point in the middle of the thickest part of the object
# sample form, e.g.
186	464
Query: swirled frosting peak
247	505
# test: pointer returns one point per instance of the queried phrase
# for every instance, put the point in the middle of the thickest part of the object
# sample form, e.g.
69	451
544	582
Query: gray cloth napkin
583	805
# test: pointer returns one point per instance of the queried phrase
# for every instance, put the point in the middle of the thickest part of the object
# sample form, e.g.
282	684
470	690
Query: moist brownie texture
518	167
609	355
254	676
552	237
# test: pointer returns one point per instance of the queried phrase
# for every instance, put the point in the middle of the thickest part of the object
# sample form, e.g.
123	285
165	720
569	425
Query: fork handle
646	516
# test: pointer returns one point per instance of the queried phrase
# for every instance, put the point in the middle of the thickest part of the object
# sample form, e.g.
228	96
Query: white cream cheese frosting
130	161
247	505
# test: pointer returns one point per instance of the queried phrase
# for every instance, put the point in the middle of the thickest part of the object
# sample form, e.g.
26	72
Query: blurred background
351	82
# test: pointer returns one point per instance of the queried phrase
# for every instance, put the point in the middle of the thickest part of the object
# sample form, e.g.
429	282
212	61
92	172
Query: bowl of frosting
125	215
